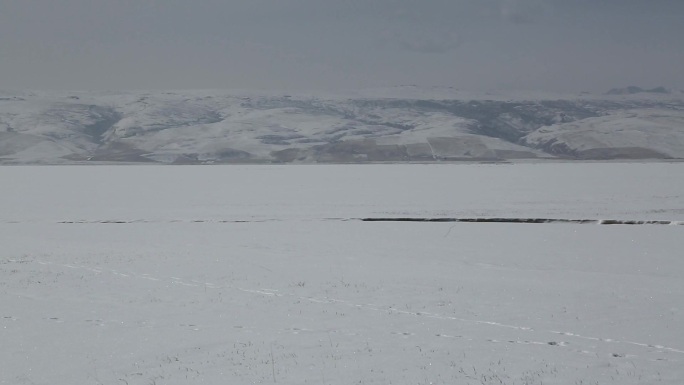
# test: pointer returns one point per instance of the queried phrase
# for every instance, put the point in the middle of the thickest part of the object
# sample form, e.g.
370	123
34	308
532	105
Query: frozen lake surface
260	274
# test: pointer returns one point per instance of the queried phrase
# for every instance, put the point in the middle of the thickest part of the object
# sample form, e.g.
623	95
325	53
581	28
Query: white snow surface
254	274
655	129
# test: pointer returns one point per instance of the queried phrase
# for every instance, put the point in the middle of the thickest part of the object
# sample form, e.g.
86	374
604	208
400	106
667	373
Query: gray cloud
522	11
427	42
312	44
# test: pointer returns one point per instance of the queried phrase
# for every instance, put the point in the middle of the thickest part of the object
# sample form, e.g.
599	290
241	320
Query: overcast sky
555	45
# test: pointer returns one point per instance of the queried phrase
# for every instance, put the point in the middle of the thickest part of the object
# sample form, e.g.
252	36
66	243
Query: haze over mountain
397	124
555	46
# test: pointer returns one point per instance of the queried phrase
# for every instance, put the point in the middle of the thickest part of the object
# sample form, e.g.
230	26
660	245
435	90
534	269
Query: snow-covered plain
259	274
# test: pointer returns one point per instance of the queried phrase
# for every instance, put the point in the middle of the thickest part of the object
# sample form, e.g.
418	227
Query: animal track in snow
374	307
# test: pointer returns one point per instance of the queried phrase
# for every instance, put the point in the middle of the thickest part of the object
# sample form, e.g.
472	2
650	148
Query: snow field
292	298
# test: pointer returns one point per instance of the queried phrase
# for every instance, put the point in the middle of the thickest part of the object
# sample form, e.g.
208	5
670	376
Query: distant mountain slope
630	90
388	125
636	133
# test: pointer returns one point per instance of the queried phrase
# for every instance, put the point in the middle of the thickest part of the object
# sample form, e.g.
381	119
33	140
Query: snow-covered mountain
380	125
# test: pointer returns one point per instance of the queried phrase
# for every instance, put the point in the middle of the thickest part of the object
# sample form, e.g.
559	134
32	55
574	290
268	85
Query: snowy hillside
647	133
379	125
